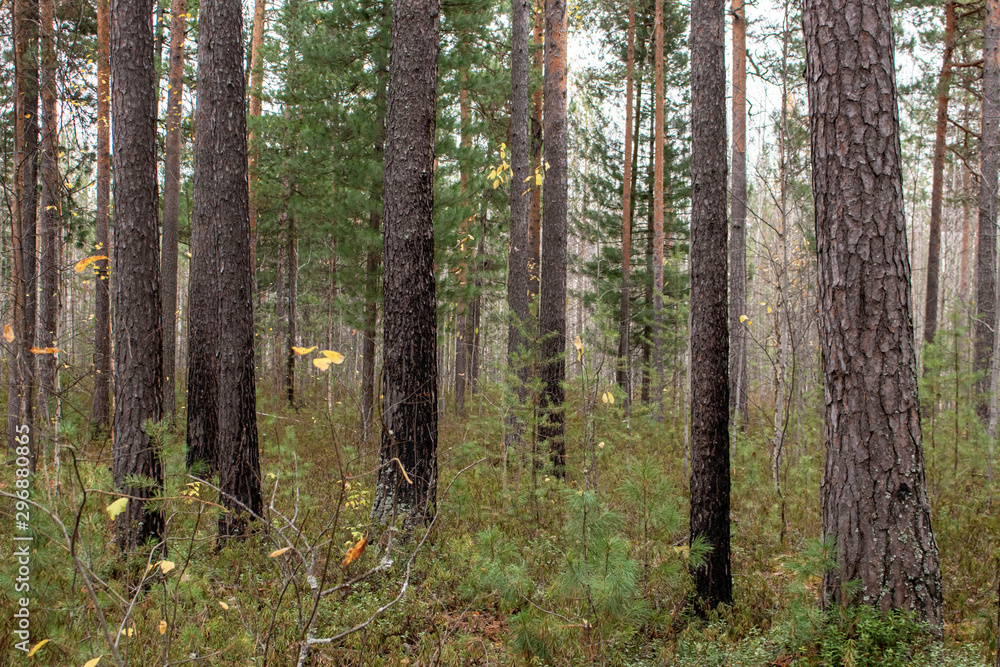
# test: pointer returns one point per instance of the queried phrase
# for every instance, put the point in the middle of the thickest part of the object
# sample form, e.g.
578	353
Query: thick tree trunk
138	345
875	507
21	399
986	255
937	180
738	364
535	219
625	316
49	224
172	200
102	289
223	122
709	333
552	306
410	331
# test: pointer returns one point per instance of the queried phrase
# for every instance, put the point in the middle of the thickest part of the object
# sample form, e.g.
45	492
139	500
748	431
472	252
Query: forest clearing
418	333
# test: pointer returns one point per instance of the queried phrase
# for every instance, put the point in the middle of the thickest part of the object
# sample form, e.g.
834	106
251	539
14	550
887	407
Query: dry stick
312	641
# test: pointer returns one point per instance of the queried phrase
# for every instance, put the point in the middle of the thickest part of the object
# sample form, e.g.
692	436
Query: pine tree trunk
522	189
256	83
709	332
410	331
647	334
462	337
138	347
738	365
874	500
21	398
292	288
222	88
625	316
986	255
963	271
937	181
49	224
535	219
172	200
101	409
657	384
552	306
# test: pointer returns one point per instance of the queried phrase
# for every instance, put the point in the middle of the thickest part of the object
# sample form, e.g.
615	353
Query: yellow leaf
538	178
223	604
769	309
93	663
277	552
128	632
82	265
303	350
163	629
36	647
335	357
166	566
116	508
43	350
8	333
355	552
322	363
743	318
496	184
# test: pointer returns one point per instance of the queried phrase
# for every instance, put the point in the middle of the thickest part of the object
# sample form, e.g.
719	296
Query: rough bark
101	409
49	224
874	499
738	364
138	347
463	336
172	199
292	288
21	397
410	330
709	332
937	179
256	83
220	80
535	219
552	305
625	316
986	255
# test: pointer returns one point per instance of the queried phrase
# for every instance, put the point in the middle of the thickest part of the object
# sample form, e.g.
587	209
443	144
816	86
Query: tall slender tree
138	345
172	199
709	332
101	410
49	225
552	306
658	209
986	255
937	178
738	359
874	497
256	85
625	317
407	477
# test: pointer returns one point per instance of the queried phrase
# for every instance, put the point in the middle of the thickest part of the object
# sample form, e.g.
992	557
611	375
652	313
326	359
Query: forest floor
518	567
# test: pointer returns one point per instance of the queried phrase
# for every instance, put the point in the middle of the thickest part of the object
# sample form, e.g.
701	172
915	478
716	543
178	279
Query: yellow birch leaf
303	350
538	178
277	552
36	647
223	604
743	318
8	333
335	357
162	627
355	552
166	566
92	663
82	265
496	184
116	508
128	632
322	363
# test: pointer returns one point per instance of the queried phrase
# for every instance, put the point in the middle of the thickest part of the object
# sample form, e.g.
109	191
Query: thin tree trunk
738	363
410	391
552	307
138	346
256	84
172	200
49	224
709	332
986	256
937	180
647	338
874	500
102	289
624	320
657	386
963	273
535	220
462	337
291	286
